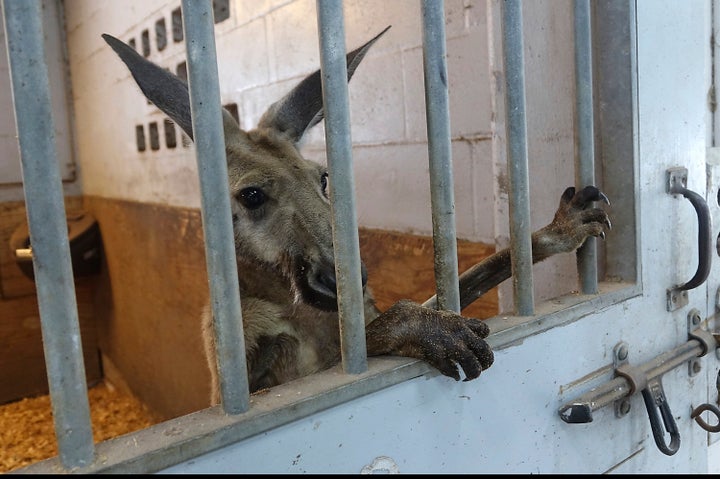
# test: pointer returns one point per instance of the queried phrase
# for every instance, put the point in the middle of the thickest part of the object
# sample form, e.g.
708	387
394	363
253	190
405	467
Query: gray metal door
565	393
558	398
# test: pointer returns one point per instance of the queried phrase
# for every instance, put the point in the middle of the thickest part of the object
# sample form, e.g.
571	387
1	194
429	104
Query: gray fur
285	258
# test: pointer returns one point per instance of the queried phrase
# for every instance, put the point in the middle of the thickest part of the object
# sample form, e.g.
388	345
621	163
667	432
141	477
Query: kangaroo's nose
326	277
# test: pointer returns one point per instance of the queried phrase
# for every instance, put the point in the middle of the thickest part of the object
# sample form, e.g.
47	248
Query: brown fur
283	240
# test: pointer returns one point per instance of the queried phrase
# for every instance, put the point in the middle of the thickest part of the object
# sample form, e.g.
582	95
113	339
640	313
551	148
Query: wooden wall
143	311
22	360
150	301
400	265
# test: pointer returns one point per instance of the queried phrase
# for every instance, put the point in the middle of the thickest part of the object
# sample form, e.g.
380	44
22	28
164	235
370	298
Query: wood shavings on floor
27	432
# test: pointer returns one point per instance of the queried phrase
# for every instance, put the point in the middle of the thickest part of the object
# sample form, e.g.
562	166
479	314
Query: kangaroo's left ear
302	108
165	90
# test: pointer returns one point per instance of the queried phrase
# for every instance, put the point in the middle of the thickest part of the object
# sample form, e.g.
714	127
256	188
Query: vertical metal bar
216	215
516	132
333	66
584	135
440	153
48	233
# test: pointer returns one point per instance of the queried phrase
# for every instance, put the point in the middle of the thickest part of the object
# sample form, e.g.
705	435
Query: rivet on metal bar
621	353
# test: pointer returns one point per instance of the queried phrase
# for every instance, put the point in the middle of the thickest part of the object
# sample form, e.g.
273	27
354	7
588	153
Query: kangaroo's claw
605	198
575	220
442	338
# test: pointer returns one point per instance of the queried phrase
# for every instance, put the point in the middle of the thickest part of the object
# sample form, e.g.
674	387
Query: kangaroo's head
279	200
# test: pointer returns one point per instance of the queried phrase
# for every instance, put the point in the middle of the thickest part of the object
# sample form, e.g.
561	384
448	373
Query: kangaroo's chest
309	342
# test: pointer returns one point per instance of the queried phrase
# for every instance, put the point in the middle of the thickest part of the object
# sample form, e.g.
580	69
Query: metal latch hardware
655	401
711	408
647	379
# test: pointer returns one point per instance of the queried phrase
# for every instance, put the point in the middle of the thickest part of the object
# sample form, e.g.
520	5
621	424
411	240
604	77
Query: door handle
677	185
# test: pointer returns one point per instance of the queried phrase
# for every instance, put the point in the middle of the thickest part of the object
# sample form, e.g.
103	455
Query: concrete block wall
264	49
55	55
266	46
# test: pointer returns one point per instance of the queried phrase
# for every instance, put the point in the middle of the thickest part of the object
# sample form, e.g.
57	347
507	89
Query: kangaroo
284	250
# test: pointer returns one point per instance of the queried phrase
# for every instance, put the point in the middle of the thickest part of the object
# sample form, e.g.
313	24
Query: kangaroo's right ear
302	108
167	91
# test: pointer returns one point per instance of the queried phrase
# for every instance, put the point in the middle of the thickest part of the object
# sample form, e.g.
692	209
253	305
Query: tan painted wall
149	302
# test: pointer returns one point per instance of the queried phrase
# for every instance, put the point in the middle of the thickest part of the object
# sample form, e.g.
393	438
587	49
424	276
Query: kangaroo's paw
575	220
442	338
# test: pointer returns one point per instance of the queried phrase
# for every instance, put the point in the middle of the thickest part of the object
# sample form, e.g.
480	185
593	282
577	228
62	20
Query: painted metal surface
442	195
507	420
48	232
216	214
331	26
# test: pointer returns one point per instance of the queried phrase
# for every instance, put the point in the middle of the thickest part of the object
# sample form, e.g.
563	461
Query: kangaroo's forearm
490	272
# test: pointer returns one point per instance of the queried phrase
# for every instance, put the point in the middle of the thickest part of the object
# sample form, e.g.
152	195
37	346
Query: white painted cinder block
242	58
267	46
376	99
294	44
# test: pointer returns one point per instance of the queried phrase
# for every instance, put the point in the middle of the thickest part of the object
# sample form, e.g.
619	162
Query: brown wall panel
154	286
22	360
400	266
149	303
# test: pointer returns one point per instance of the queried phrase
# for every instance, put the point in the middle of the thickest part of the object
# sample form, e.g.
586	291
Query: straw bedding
27	432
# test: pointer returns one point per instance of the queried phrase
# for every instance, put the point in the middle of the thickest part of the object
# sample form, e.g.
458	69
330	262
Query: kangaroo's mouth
316	284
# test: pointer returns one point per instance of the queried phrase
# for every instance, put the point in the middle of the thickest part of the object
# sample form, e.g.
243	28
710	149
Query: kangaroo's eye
252	197
324	183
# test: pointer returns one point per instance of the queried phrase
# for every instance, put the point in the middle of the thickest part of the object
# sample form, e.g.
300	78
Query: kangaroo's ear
302	108
165	90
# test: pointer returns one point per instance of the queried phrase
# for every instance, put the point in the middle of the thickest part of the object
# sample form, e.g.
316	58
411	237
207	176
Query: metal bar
333	66
516	132
215	196
440	153
48	233
584	135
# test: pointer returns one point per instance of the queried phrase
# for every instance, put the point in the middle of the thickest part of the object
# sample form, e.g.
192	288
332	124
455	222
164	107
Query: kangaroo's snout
326	277
317	284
